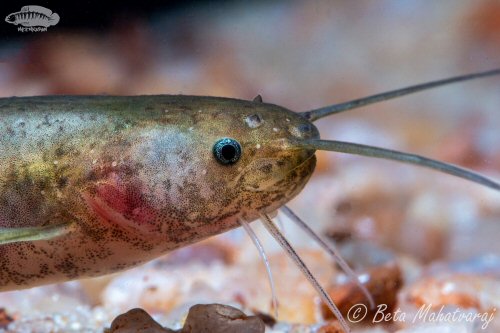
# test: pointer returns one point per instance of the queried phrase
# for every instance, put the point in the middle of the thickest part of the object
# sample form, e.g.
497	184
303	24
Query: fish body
33	16
91	185
98	184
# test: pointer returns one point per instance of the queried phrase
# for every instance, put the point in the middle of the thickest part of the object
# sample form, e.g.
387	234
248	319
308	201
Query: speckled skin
135	177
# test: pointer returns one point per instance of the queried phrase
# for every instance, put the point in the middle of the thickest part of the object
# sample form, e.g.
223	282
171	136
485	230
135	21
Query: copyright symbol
357	313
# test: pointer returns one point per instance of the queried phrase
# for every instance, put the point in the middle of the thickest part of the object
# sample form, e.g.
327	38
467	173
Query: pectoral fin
12	235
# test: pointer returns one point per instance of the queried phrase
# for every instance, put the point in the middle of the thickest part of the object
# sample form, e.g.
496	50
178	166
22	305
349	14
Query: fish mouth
263	183
308	159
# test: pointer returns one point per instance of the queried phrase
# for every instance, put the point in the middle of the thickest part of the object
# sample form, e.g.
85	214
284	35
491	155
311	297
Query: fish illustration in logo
33	16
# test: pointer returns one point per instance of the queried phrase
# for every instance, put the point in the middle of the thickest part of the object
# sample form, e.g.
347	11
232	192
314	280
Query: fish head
11	18
244	157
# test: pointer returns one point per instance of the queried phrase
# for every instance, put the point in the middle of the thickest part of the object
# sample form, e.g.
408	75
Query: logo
33	18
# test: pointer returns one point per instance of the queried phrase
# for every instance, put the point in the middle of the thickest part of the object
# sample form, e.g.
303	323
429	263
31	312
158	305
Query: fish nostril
302	131
253	121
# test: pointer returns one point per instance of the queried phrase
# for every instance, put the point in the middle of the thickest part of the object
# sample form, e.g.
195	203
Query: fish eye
227	151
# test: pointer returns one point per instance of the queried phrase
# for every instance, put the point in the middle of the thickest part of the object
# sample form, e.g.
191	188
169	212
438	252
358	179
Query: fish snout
10	18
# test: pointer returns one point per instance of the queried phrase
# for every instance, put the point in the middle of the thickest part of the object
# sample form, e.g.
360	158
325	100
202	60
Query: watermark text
426	313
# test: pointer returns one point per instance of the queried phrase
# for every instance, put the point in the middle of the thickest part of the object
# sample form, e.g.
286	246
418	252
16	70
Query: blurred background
304	55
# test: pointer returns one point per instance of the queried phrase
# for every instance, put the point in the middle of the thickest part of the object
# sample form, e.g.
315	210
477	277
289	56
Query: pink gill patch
122	204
